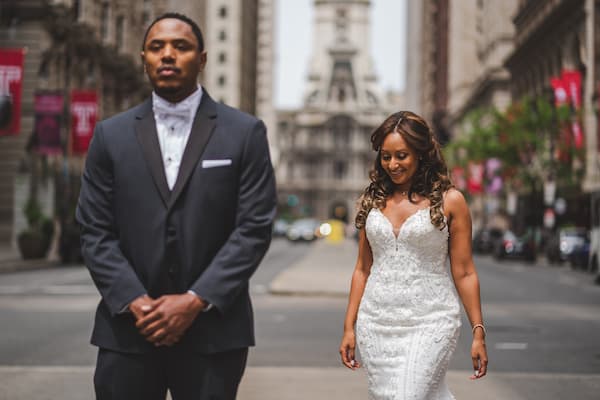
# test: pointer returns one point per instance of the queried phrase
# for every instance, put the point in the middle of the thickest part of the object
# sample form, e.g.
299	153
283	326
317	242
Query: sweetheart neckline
403	223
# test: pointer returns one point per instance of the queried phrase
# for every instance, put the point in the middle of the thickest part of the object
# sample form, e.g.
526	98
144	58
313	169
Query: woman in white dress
403	309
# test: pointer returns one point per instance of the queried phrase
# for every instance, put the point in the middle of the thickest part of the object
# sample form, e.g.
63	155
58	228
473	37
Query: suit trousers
187	375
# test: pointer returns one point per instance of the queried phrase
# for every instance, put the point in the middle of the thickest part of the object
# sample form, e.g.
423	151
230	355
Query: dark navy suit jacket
208	234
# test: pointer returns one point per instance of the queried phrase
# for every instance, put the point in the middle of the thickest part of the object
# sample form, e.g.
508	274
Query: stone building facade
325	152
95	45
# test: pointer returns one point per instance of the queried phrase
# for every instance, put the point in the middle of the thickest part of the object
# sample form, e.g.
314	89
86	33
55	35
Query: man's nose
168	53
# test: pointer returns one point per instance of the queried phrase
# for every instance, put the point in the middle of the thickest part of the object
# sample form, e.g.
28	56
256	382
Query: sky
294	39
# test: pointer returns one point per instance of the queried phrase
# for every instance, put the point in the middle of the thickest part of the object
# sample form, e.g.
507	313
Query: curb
26	265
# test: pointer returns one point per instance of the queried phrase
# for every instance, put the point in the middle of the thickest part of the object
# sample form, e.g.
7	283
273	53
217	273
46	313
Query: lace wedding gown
409	316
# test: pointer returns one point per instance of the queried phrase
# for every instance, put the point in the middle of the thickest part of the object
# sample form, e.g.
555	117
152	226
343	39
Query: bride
403	312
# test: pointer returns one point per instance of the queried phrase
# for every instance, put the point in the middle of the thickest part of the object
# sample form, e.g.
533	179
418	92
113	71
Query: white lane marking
69	289
279	318
260	289
511	346
12	289
47	289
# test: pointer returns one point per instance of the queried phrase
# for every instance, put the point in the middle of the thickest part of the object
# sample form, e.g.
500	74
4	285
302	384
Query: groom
176	206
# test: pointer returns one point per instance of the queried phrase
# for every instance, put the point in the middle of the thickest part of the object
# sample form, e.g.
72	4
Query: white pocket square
215	163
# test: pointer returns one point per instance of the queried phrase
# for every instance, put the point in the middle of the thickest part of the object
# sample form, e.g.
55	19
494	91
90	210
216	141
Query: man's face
172	59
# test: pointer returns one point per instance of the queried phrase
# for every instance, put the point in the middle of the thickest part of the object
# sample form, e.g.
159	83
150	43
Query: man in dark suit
176	207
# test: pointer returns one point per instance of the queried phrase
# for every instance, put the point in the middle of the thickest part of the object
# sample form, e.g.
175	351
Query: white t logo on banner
83	111
8	74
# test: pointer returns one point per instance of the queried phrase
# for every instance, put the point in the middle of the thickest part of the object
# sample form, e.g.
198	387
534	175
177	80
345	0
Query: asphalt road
543	324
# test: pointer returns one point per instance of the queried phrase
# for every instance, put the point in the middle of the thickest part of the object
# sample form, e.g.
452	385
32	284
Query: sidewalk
290	383
325	271
11	261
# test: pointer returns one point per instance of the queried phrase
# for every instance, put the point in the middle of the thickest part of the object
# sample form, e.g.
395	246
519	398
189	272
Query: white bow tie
165	111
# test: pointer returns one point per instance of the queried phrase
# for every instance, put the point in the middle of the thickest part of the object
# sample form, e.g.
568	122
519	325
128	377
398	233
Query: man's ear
143	58
203	59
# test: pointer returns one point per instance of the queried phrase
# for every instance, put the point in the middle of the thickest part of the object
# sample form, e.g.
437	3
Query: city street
542	334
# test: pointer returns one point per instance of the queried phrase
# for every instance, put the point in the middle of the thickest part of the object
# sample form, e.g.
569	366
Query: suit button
171	231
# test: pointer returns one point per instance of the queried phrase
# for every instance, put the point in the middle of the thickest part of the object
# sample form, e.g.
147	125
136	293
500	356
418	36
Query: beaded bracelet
479	326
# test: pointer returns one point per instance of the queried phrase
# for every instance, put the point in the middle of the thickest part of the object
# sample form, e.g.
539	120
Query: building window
147	12
120	32
104	21
341	127
222	80
77	9
222	58
222	36
340	169
223	12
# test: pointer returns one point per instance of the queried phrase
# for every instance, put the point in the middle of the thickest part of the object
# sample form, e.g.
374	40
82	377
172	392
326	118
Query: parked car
512	246
485	239
564	242
304	229
579	257
280	227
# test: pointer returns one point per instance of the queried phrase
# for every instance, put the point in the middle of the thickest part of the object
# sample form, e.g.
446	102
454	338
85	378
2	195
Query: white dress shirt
173	125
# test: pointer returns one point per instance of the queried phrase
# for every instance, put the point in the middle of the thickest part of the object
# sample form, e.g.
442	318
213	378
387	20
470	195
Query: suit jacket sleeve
235	262
111	271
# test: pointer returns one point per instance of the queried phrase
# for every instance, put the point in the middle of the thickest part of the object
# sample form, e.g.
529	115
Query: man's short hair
181	17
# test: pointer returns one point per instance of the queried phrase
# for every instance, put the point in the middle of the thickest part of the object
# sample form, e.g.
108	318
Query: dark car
512	246
564	242
579	257
485	239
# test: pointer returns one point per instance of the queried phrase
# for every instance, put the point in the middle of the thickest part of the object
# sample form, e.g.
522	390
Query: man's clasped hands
163	321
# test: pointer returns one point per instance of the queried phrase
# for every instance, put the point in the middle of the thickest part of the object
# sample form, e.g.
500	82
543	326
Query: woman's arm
465	274
359	280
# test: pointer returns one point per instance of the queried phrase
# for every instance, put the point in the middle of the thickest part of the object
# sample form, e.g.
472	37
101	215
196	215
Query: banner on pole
84	112
11	84
572	82
475	179
48	108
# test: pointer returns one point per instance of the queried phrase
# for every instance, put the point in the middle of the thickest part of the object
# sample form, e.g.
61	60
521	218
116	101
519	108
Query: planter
33	244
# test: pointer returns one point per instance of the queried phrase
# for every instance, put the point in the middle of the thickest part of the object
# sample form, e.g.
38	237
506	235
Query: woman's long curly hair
430	179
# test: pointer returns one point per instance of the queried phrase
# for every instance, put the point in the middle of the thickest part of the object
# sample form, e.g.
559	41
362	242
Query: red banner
561	96
11	83
48	111
84	112
458	178
567	90
572	83
475	180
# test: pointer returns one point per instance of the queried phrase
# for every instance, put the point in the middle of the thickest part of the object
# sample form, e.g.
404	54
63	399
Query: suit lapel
202	128
145	130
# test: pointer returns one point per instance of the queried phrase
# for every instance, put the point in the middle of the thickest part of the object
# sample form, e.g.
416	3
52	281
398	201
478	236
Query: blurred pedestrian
176	206
403	311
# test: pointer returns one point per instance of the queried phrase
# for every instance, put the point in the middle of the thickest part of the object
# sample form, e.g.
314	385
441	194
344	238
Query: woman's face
398	160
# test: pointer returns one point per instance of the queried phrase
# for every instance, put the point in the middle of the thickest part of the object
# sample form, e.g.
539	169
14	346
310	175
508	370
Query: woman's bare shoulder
454	201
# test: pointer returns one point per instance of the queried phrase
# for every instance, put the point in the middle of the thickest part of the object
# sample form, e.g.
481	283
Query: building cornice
493	80
529	36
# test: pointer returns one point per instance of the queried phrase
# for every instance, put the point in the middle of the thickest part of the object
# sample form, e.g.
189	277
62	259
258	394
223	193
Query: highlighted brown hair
430	180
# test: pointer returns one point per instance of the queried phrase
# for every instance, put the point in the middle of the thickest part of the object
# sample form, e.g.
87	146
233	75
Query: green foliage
527	138
33	213
36	220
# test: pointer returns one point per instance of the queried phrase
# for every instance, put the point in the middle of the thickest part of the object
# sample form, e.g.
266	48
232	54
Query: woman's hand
479	357
347	350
